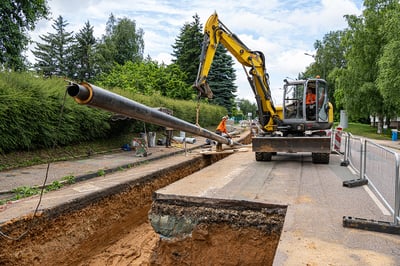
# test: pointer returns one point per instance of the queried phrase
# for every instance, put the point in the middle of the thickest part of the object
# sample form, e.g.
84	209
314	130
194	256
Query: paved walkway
86	168
395	145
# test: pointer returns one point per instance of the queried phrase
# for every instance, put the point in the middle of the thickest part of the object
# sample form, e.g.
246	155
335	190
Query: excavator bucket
292	144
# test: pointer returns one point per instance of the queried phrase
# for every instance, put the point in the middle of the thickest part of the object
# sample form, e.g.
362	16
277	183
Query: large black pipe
89	94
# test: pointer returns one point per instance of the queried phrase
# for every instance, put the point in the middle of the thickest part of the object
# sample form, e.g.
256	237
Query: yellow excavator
299	125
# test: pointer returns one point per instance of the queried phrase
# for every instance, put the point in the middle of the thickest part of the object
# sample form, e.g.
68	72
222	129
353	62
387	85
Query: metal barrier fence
377	165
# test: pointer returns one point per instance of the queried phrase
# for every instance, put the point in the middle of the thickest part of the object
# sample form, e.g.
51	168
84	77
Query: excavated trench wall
57	235
220	233
215	231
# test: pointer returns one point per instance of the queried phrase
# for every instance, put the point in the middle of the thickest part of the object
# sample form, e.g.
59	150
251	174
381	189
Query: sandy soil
218	244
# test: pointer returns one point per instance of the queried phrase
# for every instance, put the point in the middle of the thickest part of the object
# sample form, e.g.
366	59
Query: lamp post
321	62
313	56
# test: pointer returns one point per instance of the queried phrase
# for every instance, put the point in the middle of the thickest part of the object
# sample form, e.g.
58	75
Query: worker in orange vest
221	128
310	97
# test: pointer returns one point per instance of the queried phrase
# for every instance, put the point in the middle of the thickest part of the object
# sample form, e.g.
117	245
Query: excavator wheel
263	156
322	158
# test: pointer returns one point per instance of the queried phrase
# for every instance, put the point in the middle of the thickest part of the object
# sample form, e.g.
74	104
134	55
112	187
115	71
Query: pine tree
221	79
54	56
187	49
84	53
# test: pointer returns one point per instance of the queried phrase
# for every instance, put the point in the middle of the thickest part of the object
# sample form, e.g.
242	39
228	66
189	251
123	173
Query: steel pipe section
183	140
86	93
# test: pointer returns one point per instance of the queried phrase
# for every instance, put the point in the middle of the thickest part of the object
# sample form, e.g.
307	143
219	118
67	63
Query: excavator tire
263	156
322	158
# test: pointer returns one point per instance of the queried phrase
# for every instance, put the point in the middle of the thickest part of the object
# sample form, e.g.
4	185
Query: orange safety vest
222	126
310	98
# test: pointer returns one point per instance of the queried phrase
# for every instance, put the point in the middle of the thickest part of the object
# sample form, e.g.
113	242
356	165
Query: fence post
396	214
363	158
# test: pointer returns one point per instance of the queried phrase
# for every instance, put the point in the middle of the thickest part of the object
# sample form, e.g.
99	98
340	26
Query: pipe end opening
73	90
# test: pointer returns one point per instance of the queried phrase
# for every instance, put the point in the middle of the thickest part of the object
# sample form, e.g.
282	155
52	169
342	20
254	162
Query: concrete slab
313	233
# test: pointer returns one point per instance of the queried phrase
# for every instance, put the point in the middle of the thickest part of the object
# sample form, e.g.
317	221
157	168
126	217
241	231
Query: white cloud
282	29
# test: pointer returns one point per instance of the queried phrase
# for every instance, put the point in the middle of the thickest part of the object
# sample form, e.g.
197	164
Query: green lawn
367	131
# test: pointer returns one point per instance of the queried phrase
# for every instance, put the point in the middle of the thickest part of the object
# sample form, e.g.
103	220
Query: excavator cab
305	106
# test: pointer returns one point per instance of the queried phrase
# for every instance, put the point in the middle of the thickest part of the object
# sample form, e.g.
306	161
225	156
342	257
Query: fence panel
380	166
380	170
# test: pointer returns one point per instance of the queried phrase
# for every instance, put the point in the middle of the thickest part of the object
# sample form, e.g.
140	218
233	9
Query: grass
367	131
25	191
18	159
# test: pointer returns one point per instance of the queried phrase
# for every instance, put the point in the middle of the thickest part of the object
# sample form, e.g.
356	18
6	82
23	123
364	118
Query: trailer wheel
263	156
322	158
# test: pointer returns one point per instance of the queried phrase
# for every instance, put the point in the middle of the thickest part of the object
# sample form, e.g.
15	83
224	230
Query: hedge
31	118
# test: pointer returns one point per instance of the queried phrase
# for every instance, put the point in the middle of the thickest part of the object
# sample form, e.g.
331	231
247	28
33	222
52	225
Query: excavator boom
215	33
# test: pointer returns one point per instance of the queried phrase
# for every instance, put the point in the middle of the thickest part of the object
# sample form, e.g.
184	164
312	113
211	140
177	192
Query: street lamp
312	55
316	61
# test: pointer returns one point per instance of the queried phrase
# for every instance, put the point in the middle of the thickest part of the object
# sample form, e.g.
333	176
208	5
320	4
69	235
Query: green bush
30	114
30	109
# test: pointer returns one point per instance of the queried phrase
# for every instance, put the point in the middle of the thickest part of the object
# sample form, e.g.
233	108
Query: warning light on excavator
317	76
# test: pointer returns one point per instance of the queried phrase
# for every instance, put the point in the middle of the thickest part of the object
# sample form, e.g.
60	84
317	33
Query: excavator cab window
317	108
306	100
311	96
322	103
293	101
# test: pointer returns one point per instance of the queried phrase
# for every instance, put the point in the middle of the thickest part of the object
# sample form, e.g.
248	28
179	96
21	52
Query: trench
114	228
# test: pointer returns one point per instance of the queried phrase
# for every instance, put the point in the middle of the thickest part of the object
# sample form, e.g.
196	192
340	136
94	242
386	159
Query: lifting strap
198	111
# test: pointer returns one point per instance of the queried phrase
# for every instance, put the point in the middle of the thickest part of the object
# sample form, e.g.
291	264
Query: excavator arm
215	33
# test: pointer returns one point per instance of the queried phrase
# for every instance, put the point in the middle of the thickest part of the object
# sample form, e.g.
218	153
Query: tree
388	81
187	49
17	17
247	107
148	78
54	56
122	42
221	79
173	83
129	41
365	44
329	56
83	52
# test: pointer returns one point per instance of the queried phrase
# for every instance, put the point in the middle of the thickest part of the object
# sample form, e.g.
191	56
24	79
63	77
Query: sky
284	30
